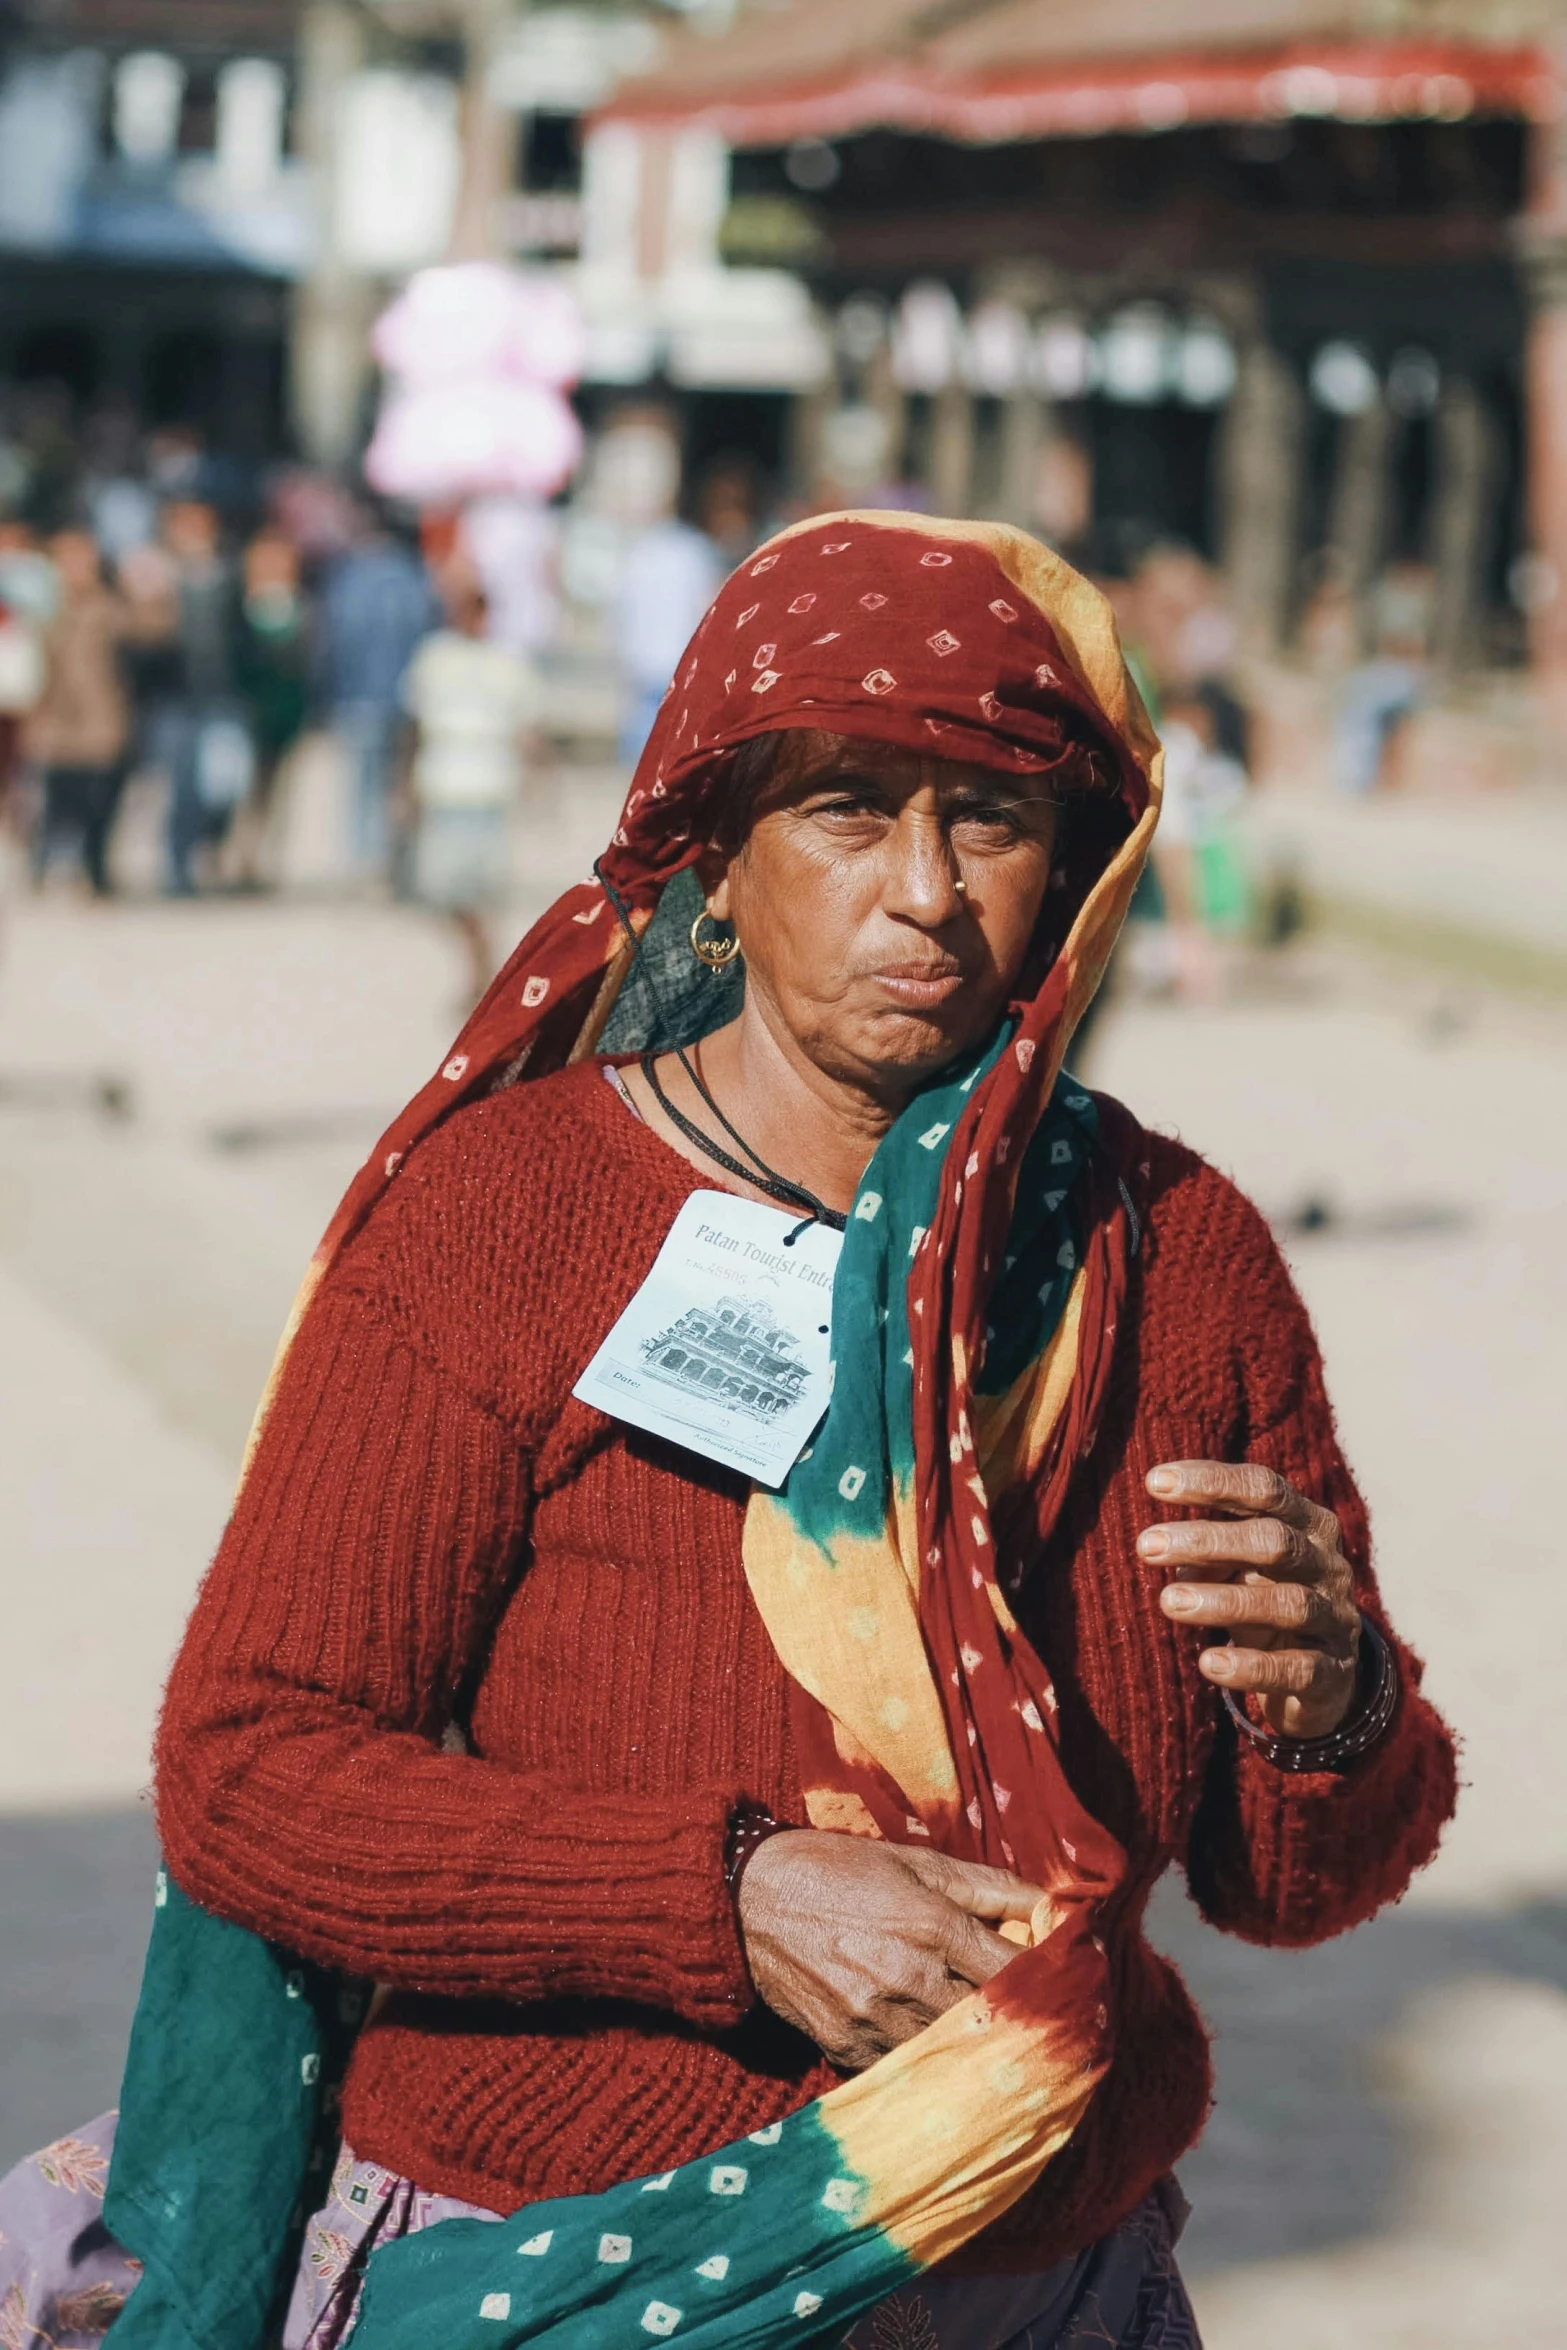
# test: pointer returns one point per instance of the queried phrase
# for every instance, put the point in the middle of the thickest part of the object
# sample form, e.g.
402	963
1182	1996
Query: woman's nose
924	884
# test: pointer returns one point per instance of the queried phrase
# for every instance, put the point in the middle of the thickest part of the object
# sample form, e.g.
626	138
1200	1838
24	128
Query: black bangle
1376	1699
750	1825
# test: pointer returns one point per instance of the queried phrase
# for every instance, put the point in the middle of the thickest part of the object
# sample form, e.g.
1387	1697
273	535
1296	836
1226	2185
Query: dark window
549	154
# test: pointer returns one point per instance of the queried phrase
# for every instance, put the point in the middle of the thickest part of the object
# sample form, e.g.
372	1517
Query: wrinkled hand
862	1944
1267	1567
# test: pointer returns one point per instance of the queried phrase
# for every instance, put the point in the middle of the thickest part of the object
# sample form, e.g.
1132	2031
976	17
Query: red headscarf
964	640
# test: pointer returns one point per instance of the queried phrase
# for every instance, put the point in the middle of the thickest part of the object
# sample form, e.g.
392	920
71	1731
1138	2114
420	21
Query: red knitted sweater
434	1532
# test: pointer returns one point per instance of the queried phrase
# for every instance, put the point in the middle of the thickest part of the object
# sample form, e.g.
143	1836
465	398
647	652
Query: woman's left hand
1266	1566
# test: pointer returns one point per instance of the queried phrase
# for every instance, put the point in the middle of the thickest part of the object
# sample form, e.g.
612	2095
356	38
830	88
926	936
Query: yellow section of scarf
950	2129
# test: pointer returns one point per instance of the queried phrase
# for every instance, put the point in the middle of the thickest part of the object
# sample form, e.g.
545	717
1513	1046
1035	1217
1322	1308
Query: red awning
927	89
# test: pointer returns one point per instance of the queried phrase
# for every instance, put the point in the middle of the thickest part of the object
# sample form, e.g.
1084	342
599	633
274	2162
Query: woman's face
884	903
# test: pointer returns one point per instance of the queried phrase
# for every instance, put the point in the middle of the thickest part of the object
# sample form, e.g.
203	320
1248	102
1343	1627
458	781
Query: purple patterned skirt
64	2280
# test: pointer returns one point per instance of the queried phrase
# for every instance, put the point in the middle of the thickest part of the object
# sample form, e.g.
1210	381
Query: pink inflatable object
436	444
480	318
479	356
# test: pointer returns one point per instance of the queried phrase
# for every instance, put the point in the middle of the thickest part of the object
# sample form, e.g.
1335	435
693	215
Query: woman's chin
905	1048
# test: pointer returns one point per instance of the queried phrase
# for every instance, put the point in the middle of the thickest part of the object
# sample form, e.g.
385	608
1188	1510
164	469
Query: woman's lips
920	986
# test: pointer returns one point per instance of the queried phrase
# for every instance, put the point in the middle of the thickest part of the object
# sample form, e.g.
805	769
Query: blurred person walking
1182	622
1381	696
376	605
44	443
273	673
469	699
513	544
29	584
29	595
118	502
729	505
672	572
79	730
199	733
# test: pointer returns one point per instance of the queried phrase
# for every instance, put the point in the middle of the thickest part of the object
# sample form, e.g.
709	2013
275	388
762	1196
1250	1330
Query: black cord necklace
765	1178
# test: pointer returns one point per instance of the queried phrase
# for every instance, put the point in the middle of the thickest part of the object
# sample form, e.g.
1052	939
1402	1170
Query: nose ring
961	887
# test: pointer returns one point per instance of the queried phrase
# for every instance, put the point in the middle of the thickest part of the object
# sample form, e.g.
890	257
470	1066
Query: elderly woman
753	1866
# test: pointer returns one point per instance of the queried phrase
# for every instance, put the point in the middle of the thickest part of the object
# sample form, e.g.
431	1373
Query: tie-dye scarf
974	1310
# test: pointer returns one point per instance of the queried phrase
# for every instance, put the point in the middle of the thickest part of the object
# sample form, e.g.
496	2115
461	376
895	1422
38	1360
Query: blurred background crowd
214	683
328	325
385	388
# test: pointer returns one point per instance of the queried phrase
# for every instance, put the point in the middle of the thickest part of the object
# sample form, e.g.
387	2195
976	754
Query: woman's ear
712	871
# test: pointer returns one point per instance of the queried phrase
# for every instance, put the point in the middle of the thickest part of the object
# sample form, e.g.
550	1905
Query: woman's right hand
862	1944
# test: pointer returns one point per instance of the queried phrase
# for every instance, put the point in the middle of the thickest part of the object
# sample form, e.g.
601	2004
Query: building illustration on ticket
733	1352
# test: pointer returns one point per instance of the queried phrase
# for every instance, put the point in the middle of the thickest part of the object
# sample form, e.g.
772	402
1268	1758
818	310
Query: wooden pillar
1358	508
808	414
1025	427
329	334
951	482
1462	523
1260	458
1545	424
884	393
488	137
1542	247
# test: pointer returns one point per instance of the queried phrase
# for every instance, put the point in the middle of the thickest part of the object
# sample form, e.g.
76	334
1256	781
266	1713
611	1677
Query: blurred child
1197	851
470	700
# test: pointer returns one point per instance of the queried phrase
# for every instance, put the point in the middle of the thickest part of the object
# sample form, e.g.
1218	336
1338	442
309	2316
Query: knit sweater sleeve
303	1786
1275	1856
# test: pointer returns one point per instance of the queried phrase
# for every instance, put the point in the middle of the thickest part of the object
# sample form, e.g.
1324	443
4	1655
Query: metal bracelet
1376	1702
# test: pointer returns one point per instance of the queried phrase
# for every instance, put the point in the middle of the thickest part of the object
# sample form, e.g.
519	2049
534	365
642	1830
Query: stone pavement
1483	874
1389	2154
1466	861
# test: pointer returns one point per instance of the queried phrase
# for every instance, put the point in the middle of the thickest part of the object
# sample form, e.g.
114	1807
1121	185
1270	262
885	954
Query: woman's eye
849	804
991	823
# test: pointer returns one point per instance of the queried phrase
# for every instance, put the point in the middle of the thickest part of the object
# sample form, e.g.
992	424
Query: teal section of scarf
758	2244
865	1447
216	2151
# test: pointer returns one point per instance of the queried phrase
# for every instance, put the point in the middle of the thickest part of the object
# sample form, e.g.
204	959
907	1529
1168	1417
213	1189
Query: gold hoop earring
714	952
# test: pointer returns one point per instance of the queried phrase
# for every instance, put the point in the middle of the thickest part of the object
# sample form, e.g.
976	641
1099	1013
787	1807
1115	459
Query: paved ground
1484	875
1389	2154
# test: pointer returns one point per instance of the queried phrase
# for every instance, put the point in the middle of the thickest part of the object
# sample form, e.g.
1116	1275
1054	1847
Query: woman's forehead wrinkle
807	766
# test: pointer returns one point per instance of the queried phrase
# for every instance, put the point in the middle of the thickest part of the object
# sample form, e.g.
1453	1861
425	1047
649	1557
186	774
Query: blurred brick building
1286	279
152	215
1283	279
